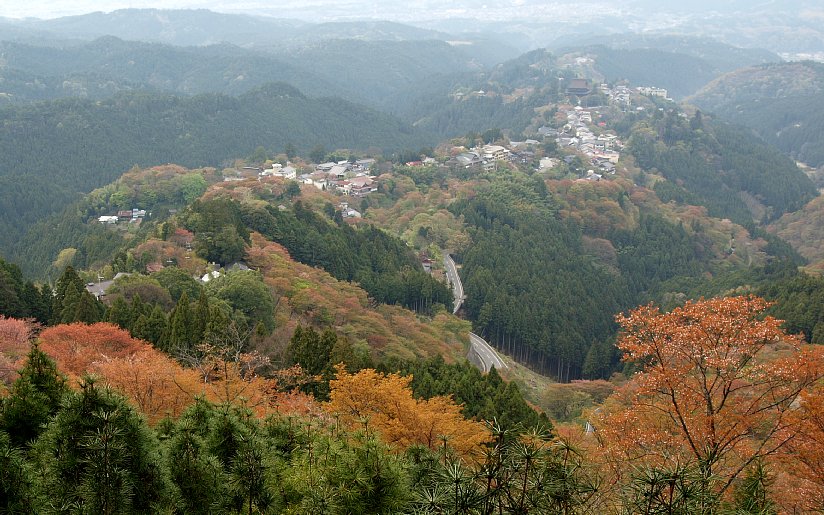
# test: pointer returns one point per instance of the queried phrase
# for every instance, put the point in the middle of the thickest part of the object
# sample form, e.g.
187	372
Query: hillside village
577	132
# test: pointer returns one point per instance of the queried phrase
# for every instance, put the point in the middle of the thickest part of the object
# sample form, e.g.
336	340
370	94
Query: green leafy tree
176	281
225	246
292	189
192	186
245	291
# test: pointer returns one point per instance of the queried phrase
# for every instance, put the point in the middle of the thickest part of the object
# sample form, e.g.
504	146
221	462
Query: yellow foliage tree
384	403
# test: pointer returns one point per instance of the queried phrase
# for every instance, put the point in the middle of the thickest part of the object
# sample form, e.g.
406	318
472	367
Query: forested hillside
720	167
51	151
529	290
367	72
109	65
381	264
780	102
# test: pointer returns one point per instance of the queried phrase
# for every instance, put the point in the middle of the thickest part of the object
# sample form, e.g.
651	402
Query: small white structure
548	162
108	219
210	275
651	91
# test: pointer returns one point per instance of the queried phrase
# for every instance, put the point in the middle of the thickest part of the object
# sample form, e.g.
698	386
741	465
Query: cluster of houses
619	95
602	150
487	157
131	216
278	170
351	179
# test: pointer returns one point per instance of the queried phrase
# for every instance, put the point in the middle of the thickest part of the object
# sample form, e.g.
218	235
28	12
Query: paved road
488	356
455	281
480	353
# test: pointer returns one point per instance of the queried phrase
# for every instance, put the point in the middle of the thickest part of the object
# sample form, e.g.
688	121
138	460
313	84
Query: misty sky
330	9
666	11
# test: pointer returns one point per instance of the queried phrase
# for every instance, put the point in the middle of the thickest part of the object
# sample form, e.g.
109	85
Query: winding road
455	281
480	354
487	357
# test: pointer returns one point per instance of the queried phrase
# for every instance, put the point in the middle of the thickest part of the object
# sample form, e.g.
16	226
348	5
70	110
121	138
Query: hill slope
782	103
51	151
377	73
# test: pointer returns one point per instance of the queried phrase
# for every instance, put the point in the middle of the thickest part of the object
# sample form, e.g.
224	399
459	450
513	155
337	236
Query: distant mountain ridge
189	27
369	72
720	55
201	27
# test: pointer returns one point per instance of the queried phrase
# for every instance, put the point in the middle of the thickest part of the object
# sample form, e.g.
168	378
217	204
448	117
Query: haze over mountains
781	26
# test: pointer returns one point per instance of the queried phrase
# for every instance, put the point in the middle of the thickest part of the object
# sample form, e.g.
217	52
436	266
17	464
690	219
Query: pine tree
180	333
138	307
88	309
16	492
152	327
66	309
33	400
201	317
217	326
198	475
312	350
69	284
99	455
120	313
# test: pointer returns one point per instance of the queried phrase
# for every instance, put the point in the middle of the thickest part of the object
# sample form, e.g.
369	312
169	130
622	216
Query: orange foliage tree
804	457
14	345
76	346
156	383
718	389
385	403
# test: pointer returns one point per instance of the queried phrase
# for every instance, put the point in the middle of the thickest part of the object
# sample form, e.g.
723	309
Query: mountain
382	74
782	103
374	71
804	230
722	167
129	65
184	27
50	151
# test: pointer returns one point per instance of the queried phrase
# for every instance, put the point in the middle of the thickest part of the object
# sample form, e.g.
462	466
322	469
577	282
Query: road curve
455	281
480	352
487	355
